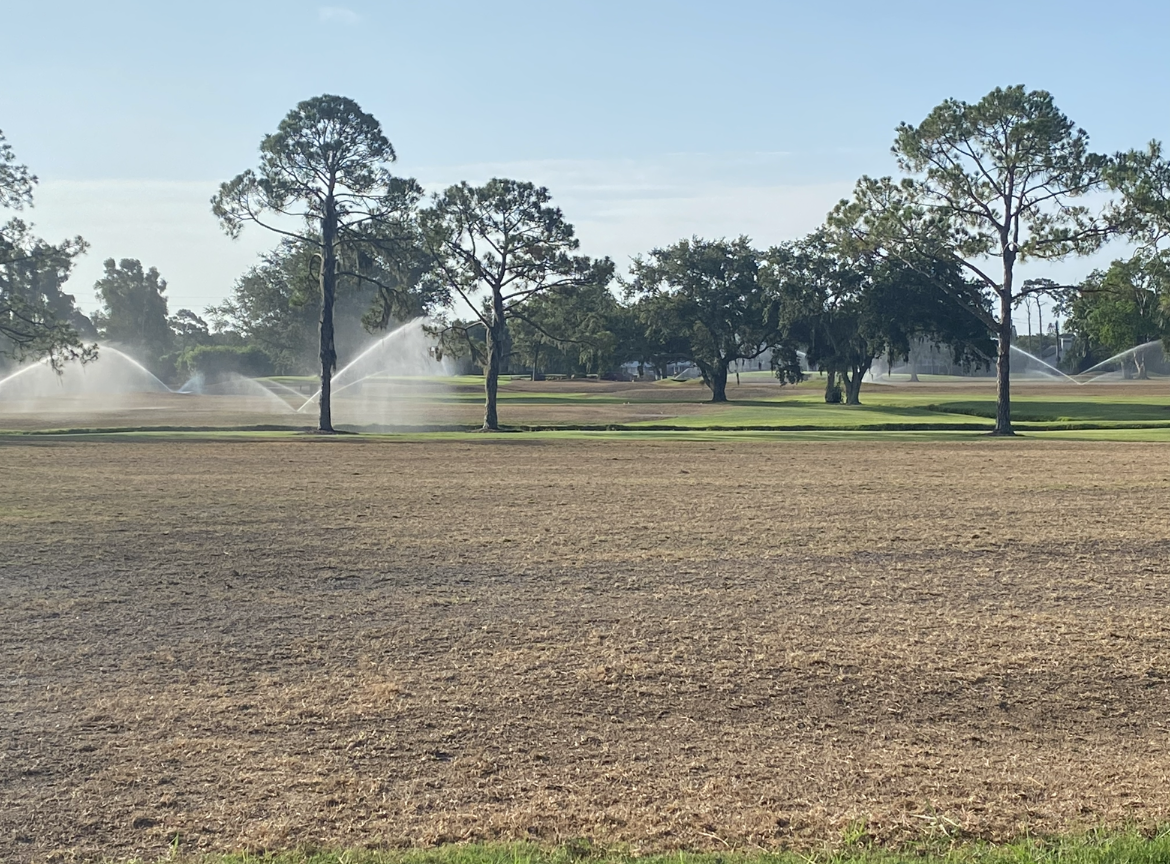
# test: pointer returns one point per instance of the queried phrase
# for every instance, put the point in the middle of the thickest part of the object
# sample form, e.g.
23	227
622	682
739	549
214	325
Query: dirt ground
257	644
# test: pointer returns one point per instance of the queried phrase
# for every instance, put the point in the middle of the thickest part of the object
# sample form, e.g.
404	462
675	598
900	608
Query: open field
250	643
760	403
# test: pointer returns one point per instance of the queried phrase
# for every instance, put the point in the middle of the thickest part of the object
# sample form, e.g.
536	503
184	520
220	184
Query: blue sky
648	120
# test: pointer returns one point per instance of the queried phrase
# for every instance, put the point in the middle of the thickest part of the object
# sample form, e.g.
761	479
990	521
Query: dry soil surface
257	644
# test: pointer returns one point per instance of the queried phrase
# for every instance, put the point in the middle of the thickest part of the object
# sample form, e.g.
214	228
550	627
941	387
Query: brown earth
264	643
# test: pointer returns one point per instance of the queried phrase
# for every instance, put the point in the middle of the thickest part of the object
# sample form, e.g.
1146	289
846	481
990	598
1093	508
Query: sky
648	120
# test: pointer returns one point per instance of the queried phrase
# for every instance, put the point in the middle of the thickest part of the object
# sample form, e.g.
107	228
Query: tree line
929	255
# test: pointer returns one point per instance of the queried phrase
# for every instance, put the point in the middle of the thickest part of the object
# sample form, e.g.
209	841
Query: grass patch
1051	410
1099	847
892	434
809	414
1140	433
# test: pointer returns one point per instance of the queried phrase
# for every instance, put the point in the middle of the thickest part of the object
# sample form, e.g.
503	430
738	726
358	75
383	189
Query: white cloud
338	14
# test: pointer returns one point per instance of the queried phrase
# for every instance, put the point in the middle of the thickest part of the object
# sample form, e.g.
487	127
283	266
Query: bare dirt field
669	644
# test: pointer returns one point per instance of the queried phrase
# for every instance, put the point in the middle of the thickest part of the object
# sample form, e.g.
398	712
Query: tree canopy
706	301
855	308
1123	307
496	247
37	318
134	310
577	329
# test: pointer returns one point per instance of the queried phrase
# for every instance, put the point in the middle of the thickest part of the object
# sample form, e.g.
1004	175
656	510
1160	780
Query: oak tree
708	302
578	330
855	308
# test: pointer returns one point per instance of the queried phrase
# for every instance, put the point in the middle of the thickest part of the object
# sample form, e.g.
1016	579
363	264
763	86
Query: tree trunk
1139	361
328	292
491	374
830	386
1003	392
718	382
535	358
853	385
914	371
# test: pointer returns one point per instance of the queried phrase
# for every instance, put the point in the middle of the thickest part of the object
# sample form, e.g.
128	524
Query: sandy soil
264	643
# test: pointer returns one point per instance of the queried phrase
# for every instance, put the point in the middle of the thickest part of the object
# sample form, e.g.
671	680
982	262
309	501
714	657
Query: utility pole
1040	325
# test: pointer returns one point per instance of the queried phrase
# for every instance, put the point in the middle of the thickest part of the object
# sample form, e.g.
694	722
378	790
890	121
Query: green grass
1094	848
1040	409
1159	434
504	397
710	435
883	409
700	436
789	413
806	412
801	407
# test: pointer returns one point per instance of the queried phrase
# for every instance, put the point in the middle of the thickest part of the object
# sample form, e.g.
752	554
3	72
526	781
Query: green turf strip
1093	848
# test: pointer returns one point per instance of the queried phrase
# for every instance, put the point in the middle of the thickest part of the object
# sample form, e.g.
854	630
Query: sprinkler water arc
1120	355
40	380
338	386
1048	368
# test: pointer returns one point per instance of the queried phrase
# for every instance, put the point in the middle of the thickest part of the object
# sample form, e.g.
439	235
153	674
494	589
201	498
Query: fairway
759	403
251	643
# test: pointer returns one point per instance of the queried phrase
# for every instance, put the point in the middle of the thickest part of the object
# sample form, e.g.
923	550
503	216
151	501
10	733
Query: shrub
215	362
